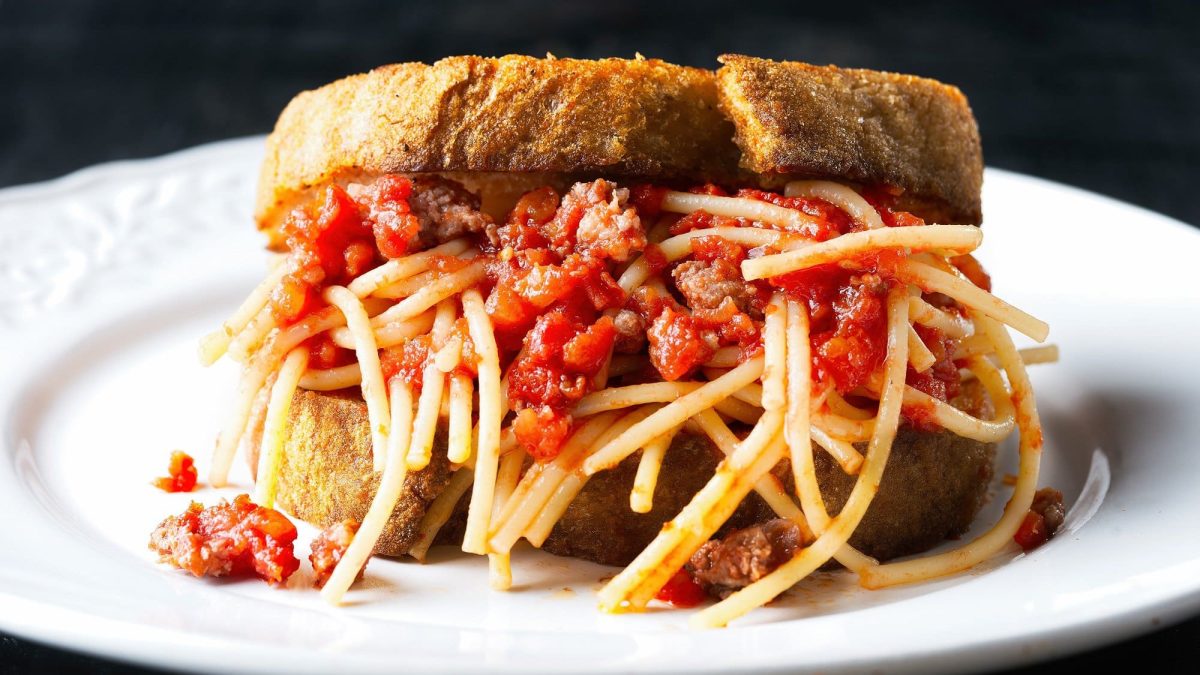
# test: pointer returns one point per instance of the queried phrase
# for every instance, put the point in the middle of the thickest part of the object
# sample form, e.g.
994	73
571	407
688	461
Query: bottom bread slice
933	487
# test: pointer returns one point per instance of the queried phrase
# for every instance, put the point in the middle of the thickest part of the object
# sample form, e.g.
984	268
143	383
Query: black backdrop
1105	96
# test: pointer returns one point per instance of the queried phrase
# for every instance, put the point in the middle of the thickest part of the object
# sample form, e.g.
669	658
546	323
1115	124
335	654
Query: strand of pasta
681	245
440	510
249	339
264	362
737	207
391	334
725	357
271	448
391	484
839	406
843	428
842	452
441	288
955	238
407	287
500	564
949	324
401	268
933	280
404	288
919	355
458	443
214	345
1030	451
673	414
256	424
367	354
641	497
843	525
488	444
331	379
840	196
774	336
433	385
614	398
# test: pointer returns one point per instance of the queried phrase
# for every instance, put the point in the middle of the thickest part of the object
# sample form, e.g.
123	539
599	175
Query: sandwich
720	328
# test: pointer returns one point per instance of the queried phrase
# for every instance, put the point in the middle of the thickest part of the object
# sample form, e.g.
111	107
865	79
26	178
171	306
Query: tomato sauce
181	474
328	548
236	538
682	590
848	316
1033	532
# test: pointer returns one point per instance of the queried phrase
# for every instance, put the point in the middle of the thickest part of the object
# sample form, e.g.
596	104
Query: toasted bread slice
527	121
860	125
509	114
934	485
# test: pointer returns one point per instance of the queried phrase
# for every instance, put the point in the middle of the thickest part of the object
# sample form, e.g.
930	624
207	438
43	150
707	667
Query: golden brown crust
508	114
629	117
860	125
327	476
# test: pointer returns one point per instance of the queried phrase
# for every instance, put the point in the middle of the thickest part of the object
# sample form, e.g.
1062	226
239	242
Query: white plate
110	275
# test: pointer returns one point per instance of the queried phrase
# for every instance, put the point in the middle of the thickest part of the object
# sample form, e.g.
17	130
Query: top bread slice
753	121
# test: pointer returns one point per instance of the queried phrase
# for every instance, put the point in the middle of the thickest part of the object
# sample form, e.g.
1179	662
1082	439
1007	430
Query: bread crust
639	118
861	125
327	474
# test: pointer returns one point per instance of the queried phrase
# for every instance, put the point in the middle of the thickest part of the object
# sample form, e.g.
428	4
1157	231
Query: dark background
1105	96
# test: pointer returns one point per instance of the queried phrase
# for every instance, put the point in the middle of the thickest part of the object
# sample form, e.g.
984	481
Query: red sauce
324	354
972	270
1033	532
228	539
647	199
884	198
941	380
181	474
407	361
921	417
562	355
677	345
830	220
848	316
338	237
328	548
682	590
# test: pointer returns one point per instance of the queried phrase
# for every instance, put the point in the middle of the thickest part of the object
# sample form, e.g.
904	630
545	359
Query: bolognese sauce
557	310
237	538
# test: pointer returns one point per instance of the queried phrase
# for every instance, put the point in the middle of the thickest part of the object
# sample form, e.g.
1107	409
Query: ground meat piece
446	210
228	539
1048	502
328	548
631	332
607	228
705	285
744	556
